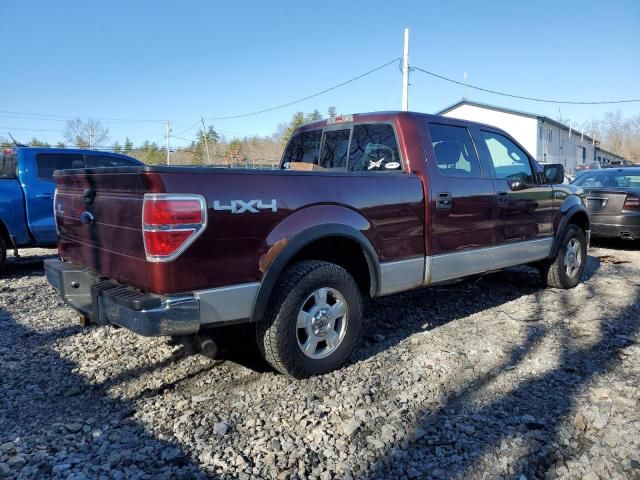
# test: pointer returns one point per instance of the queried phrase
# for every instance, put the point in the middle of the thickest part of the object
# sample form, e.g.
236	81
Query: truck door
524	206
461	202
39	187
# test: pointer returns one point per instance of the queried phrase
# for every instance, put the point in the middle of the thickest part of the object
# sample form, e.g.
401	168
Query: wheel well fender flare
296	244
567	217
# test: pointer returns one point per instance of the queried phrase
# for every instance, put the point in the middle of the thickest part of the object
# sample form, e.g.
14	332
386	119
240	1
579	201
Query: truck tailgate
98	213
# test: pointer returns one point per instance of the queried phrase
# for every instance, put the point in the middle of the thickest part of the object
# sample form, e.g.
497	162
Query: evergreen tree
37	143
128	146
314	116
199	148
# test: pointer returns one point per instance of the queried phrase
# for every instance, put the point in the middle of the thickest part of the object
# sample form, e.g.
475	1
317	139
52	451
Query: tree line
616	133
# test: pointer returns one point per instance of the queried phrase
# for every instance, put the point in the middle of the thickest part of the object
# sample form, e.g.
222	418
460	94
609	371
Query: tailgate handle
444	201
88	195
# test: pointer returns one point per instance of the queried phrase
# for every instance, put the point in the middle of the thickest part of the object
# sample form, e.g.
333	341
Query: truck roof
69	151
390	115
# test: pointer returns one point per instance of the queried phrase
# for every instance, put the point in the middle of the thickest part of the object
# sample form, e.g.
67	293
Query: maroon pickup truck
364	205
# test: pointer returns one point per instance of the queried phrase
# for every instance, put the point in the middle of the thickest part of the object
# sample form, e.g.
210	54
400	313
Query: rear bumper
106	302
616	226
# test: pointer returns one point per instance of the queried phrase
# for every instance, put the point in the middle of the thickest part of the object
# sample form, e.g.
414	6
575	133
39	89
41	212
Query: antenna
14	141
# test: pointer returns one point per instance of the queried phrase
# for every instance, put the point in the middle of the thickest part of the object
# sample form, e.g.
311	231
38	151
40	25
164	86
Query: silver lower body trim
449	266
226	304
517	253
401	275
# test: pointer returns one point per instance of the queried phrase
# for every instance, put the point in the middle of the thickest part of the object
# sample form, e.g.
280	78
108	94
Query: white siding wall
562	148
607	158
521	127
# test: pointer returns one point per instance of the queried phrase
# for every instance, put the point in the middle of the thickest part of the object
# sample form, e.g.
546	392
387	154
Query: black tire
277	333
555	273
3	254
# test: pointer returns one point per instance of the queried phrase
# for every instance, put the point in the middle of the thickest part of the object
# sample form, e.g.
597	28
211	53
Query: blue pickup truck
27	189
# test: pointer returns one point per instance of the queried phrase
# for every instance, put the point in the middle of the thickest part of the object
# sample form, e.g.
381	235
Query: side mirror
554	173
517	185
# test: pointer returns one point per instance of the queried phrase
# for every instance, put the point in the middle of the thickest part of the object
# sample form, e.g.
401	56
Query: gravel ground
491	377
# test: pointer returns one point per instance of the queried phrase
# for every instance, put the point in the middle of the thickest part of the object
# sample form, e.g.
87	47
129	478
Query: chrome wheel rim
322	323
573	257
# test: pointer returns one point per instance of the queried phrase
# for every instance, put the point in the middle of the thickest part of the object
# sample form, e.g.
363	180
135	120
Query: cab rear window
304	147
8	166
47	163
96	161
357	148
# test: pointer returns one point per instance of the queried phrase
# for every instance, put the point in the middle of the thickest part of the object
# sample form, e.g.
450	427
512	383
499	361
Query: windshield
608	180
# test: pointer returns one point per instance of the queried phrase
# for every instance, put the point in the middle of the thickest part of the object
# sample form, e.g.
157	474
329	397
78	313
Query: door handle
502	199
444	201
44	195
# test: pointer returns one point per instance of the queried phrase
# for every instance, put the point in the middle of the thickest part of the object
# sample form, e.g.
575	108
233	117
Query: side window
508	159
335	149
374	148
303	147
95	161
46	163
454	151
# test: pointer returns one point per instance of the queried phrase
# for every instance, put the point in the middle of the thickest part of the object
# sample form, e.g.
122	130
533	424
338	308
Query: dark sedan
613	201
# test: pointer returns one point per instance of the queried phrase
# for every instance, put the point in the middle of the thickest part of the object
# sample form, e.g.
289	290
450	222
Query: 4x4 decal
250	206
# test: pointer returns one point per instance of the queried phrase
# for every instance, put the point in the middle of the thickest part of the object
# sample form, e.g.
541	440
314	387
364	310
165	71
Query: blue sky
157	60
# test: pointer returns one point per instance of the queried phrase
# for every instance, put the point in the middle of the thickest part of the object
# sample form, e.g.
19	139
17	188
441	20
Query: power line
187	129
50	116
307	97
543	100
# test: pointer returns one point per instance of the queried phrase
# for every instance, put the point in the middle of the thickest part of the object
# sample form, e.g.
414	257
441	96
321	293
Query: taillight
632	202
170	223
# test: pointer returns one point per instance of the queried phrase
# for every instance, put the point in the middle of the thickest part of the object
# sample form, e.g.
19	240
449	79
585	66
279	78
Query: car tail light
632	202
170	223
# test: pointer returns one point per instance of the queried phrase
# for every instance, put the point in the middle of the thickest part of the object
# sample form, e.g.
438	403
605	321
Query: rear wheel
313	321
565	271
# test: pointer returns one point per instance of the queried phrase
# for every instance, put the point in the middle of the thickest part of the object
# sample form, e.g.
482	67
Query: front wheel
565	271
313	322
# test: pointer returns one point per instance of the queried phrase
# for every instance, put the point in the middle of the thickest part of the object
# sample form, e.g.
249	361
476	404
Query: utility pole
405	72
168	134
90	137
206	142
464	93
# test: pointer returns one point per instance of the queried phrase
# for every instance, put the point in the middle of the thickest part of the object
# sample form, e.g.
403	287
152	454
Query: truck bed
388	207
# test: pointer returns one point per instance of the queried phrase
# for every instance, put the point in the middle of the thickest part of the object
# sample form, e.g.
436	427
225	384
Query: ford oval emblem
87	218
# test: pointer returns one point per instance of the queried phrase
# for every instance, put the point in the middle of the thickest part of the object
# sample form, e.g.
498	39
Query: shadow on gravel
23	266
59	422
397	317
62	424
533	411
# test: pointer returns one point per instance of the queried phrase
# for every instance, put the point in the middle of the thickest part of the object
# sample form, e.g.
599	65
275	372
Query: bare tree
618	134
87	133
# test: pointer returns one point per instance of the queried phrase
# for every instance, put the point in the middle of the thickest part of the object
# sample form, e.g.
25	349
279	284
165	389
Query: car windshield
607	180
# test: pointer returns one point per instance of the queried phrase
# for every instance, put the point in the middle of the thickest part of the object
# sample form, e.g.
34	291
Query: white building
546	139
608	158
